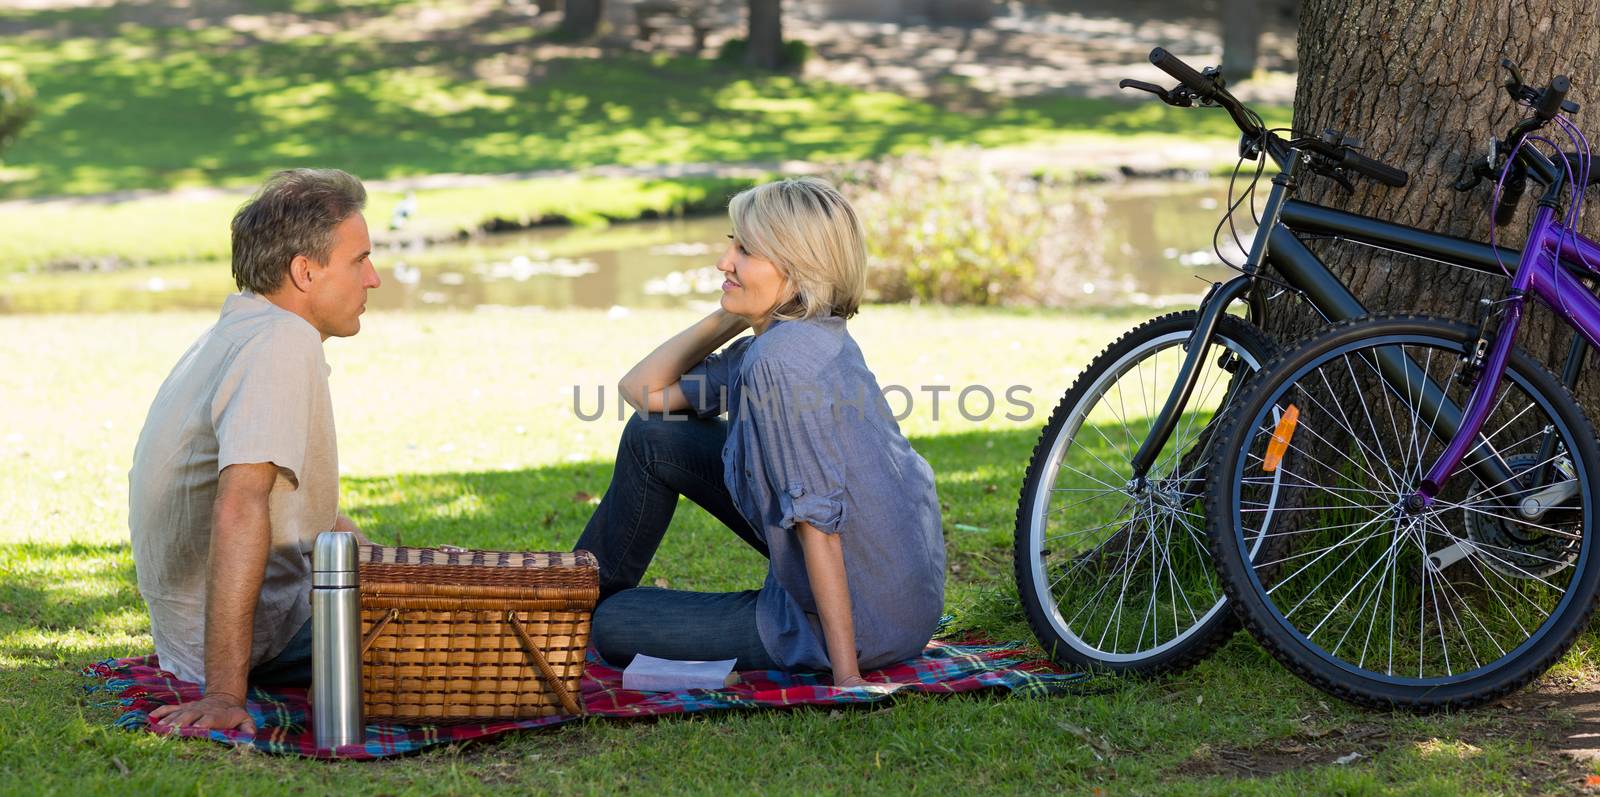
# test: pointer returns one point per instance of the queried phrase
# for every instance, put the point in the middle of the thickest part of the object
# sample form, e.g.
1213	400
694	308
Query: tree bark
1418	82
580	19
1242	24
764	45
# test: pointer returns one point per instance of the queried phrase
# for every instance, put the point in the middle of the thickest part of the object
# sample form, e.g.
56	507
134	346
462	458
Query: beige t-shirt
253	388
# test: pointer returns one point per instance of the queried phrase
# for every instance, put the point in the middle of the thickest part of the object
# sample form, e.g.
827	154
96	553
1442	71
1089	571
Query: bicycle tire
1201	631
1548	564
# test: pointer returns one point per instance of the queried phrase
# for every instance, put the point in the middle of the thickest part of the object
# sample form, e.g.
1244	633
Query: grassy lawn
447	439
131	99
126	104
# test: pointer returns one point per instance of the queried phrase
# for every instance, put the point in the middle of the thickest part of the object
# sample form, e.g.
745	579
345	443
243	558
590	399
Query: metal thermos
335	642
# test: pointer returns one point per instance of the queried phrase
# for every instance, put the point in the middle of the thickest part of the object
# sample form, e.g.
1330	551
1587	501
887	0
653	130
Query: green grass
458	427
171	107
131	102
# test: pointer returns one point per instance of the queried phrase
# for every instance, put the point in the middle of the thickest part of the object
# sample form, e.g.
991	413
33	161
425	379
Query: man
236	470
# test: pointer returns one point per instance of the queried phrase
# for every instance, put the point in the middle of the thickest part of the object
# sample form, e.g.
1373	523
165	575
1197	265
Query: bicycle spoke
1114	570
1363	574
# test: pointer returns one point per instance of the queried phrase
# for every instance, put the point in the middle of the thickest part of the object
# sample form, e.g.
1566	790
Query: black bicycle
1111	556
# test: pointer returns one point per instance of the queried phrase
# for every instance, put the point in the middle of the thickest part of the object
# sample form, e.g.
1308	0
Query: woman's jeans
660	458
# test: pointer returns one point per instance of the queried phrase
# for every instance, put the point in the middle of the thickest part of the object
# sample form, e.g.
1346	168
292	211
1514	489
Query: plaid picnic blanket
282	715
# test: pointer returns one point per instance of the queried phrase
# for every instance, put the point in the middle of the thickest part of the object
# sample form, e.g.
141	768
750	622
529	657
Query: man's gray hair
294	213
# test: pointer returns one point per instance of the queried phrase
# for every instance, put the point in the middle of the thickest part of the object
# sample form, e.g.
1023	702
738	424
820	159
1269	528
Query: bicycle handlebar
1376	169
1547	103
1550	100
1210	89
1207	89
1201	85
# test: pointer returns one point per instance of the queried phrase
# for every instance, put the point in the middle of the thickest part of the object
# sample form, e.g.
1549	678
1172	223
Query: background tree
16	104
1242	24
765	40
1421	88
580	19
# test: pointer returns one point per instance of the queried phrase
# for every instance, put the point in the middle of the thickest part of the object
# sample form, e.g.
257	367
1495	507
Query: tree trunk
580	19
1241	38
765	43
1419	83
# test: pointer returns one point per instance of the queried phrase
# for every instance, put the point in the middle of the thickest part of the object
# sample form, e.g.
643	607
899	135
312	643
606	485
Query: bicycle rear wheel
1386	604
1114	578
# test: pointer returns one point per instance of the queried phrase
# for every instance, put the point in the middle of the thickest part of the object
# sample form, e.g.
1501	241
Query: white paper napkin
650	674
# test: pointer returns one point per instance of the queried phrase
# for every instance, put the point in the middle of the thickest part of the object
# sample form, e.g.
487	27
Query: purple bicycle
1431	487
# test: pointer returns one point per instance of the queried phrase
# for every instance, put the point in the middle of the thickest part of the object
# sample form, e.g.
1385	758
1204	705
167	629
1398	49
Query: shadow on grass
56	600
1235	718
163	105
71	587
978	475
79	588
72	590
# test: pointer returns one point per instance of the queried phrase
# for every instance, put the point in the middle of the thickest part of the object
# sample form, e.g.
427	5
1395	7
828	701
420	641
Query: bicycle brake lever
1469	179
1476	170
1167	97
1514	82
1342	180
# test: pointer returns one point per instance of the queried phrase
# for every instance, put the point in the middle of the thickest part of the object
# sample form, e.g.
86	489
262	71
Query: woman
809	468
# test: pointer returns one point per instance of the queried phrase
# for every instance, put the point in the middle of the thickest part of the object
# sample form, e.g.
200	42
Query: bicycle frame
1540	270
1283	250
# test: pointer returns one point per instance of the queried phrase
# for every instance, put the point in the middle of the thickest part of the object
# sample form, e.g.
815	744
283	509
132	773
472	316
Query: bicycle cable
1580	147
1576	182
1233	205
1260	160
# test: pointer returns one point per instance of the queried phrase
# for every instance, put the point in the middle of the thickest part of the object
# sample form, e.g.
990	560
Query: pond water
1150	242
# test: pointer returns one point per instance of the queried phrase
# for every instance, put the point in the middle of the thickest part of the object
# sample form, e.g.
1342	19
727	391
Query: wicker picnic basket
457	635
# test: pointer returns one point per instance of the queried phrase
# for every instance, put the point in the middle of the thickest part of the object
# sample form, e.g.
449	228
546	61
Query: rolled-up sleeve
707	384
793	420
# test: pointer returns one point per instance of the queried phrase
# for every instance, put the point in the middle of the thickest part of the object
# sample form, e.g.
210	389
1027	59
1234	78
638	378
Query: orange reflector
1280	438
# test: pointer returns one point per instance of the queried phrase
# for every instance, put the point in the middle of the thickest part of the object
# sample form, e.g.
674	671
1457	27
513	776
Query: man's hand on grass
221	712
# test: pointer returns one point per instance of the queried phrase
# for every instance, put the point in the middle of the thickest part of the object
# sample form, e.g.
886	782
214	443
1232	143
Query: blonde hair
810	232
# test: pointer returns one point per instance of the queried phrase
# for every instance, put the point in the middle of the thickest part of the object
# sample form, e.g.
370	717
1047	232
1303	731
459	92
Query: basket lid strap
539	661
377	628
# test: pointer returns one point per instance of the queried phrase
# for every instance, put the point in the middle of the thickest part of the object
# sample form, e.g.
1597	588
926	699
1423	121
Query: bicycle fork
1212	307
1539	270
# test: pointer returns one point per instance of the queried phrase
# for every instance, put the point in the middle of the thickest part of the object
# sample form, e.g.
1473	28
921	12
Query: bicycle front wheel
1373	598
1116	577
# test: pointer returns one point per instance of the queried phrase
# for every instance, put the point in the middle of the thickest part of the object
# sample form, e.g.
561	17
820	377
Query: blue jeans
659	459
292	665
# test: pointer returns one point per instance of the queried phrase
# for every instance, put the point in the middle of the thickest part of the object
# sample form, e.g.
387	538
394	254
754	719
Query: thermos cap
334	552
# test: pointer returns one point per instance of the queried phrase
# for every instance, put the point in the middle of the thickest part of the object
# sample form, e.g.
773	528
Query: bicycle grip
1550	99
1377	170
1185	74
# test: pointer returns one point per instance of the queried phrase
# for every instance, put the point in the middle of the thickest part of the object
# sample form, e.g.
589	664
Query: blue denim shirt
812	439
